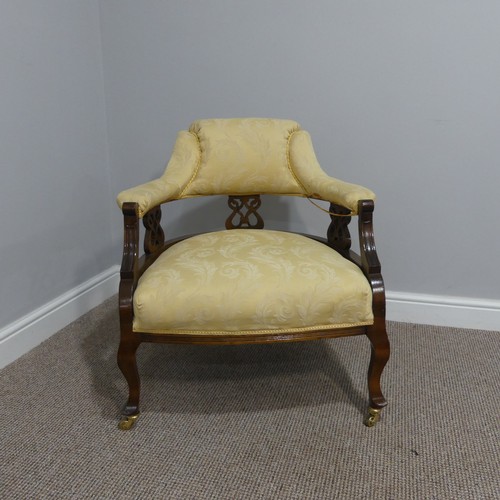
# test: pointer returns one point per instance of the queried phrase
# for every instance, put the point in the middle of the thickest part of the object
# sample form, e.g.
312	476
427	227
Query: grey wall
401	96
54	190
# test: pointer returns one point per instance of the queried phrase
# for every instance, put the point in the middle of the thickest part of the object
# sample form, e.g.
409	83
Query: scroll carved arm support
130	257
369	258
370	263
129	270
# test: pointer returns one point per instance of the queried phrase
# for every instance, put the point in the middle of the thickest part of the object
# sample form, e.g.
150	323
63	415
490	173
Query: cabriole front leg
129	276
376	333
128	365
380	352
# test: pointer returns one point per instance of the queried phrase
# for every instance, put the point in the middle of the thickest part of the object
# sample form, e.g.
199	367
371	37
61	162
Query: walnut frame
338	238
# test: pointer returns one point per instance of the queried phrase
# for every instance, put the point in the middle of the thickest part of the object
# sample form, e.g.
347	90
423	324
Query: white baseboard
441	310
23	335
26	333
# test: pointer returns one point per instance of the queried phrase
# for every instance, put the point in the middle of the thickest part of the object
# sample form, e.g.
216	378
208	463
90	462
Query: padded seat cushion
245	281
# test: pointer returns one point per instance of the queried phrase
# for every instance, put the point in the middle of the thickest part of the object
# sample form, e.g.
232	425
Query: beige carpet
256	422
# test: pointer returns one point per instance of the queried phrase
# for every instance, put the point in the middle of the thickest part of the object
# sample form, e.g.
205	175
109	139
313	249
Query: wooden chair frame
245	207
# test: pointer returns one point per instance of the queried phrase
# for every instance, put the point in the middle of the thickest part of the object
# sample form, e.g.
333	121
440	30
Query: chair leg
377	335
128	365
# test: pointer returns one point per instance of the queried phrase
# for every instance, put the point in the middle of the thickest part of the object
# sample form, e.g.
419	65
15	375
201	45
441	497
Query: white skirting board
23	335
441	310
29	331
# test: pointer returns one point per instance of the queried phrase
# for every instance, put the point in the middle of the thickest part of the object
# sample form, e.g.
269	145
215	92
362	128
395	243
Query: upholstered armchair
246	284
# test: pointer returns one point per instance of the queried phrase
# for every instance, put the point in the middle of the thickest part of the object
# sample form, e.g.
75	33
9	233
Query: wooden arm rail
369	259
128	270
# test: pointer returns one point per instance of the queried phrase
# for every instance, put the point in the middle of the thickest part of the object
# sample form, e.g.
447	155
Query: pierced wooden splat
244	212
154	237
338	232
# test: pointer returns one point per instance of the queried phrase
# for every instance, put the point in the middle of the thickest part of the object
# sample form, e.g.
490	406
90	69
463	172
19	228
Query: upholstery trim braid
289	164
196	170
271	331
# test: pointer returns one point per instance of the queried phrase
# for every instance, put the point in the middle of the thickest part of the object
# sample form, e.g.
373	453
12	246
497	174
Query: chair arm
148	195
345	194
132	266
130	258
170	186
316	182
370	263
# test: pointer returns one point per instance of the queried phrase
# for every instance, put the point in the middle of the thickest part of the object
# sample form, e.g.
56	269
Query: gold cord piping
289	165
277	331
195	173
350	214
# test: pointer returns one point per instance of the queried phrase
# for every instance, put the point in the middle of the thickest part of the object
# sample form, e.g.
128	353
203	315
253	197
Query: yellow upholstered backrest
243	156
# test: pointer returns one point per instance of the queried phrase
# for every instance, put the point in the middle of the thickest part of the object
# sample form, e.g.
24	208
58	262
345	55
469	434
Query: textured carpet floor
256	422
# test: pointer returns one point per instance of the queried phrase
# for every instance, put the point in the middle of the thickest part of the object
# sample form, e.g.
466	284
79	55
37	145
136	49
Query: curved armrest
148	195
339	192
316	182
180	169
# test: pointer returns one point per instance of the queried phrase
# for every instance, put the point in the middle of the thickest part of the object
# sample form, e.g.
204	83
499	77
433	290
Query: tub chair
246	284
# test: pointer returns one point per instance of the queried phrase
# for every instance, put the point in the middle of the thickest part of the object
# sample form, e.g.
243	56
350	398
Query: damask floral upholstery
251	281
244	156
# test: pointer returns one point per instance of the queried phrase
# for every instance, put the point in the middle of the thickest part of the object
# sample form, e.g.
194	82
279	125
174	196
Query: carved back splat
154	237
244	207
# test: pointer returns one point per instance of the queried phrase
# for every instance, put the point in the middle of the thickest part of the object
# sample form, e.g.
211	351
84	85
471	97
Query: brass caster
373	417
127	422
